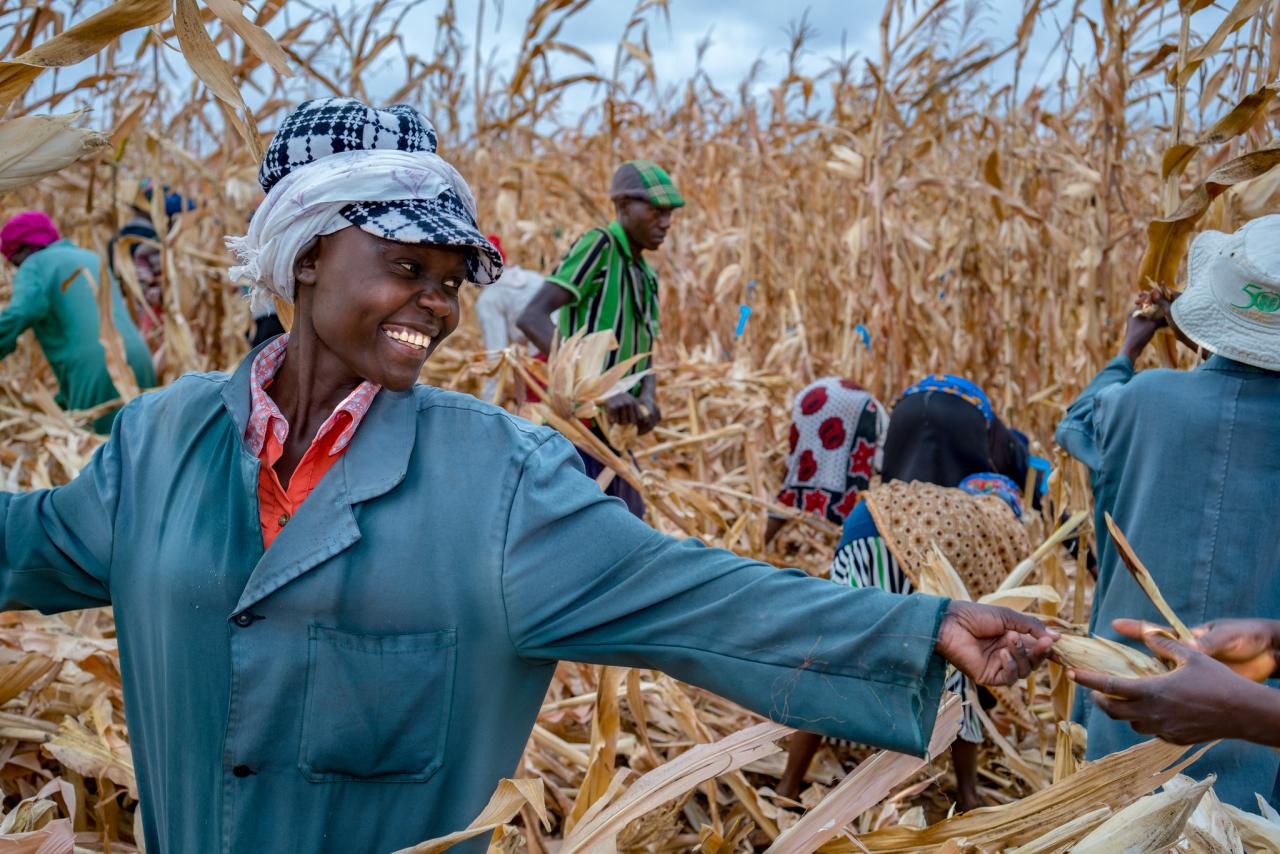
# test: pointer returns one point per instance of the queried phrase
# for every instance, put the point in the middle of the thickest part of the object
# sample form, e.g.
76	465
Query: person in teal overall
52	297
355	668
1188	465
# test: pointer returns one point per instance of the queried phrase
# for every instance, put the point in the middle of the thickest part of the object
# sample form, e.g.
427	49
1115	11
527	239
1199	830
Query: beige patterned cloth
979	534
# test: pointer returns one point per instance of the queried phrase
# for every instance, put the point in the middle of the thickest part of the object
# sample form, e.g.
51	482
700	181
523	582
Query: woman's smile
411	341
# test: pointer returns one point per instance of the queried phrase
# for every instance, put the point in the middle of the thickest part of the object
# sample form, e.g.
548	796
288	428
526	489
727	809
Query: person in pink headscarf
54	298
28	232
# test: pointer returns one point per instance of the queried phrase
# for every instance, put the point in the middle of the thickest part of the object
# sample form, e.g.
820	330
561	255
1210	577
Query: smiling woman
378	307
335	586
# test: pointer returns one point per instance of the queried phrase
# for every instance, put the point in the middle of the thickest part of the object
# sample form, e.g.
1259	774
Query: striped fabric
611	290
863	560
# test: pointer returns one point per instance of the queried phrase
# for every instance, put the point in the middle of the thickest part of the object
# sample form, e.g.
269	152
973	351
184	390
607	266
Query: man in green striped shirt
605	283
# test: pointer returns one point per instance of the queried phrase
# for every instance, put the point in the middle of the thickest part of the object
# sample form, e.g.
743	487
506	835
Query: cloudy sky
740	32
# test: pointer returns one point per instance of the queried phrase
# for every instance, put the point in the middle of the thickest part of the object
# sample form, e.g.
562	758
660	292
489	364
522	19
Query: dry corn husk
939	578
1061	838
508	799
1114	781
1256	832
1106	656
1210	830
1145	581
1153	823
576	378
599	828
32	147
866	787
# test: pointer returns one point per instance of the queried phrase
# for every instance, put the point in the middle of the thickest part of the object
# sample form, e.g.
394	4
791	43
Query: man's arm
535	320
577	278
29	304
1077	432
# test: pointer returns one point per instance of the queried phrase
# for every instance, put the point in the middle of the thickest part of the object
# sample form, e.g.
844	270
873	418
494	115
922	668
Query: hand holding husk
992	645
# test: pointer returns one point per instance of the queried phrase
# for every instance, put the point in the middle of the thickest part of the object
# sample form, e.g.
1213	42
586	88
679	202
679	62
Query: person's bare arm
535	320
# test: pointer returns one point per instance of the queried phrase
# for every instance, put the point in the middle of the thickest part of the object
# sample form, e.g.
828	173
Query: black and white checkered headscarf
337	162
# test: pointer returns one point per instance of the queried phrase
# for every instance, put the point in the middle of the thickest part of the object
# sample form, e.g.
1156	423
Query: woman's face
380	307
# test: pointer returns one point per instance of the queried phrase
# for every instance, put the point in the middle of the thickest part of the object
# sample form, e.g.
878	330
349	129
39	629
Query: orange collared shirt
268	430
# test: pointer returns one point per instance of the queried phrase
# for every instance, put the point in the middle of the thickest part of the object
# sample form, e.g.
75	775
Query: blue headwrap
992	483
959	386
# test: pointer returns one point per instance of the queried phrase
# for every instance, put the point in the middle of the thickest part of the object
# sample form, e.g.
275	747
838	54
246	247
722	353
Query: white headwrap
306	203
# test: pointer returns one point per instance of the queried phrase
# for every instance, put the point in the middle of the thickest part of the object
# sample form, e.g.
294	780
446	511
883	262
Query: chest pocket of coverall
376	706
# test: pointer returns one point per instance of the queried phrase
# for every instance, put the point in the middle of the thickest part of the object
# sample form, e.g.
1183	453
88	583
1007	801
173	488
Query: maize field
897	213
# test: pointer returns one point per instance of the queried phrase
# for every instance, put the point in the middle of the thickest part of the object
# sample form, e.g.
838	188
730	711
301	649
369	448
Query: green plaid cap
644	179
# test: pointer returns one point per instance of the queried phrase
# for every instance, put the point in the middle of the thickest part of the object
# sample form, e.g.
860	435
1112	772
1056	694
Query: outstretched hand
991	645
1200	700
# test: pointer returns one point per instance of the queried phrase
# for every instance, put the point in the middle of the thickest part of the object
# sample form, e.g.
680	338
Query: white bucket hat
1232	302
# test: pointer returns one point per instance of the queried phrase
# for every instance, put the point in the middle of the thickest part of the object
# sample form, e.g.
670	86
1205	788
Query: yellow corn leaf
26	816
203	57
872	782
1113	781
18	676
1235	19
509	798
77	42
605	725
255	38
1145	581
56	837
1168	237
92	754
1060	839
117	364
671	780
1236	122
991	174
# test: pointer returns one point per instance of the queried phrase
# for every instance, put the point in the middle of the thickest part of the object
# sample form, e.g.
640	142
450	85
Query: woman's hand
1201	700
990	645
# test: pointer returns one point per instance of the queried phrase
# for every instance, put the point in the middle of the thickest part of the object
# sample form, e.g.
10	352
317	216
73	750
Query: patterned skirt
867	562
